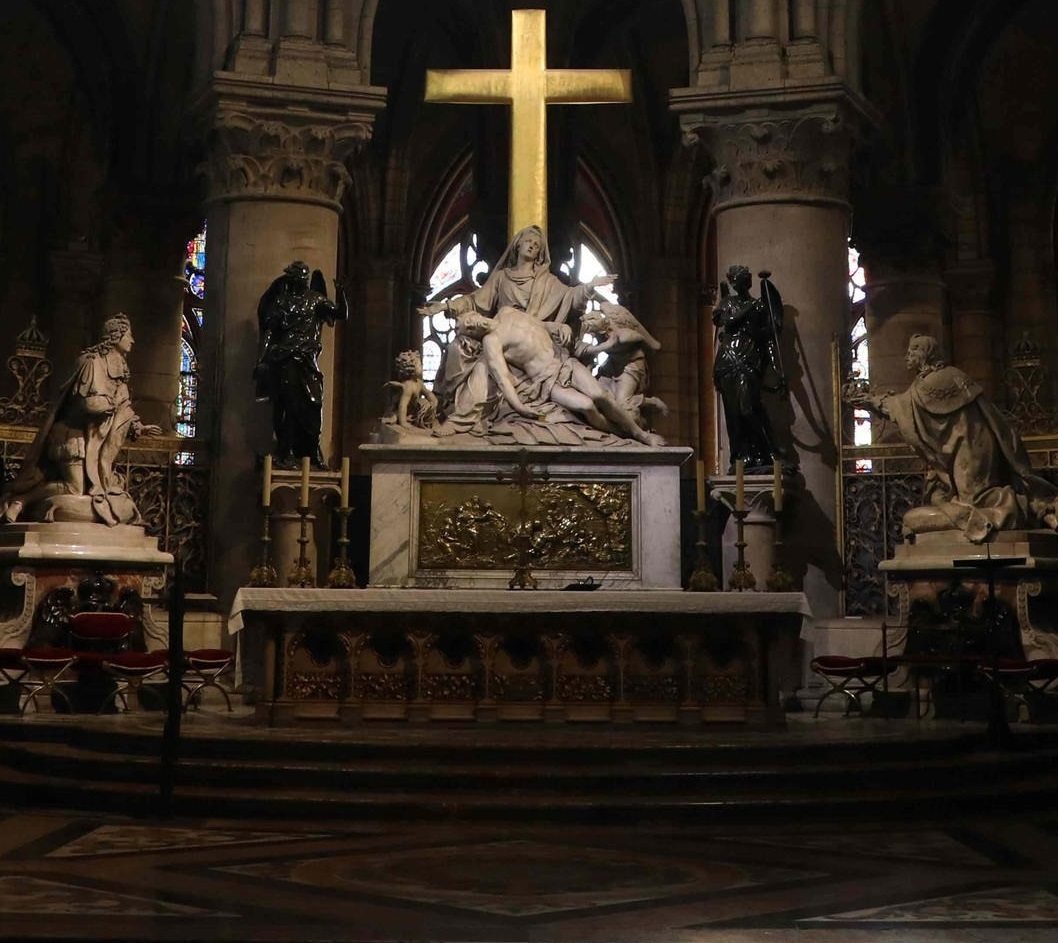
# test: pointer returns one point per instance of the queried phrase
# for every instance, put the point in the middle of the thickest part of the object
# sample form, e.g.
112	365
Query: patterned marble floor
65	876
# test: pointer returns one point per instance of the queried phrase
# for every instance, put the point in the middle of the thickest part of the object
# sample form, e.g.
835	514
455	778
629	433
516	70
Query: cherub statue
625	373
415	405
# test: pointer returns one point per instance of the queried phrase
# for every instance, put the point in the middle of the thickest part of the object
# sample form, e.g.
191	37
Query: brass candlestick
342	576
703	579
742	577
778	581
264	574
301	572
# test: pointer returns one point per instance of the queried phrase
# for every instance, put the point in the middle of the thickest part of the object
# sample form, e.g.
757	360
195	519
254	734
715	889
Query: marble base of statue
927	565
36	558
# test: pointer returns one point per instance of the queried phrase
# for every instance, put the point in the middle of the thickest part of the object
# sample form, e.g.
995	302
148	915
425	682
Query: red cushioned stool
203	667
130	671
850	676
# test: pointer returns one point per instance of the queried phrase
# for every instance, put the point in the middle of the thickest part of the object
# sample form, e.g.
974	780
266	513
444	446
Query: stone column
277	175
715	63
145	280
899	304
670	285
252	50
804	19
977	343
762	19
77	279
900	246
299	59
371	344
780	198
757	60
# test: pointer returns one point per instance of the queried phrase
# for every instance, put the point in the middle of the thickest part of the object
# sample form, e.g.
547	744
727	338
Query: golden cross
528	87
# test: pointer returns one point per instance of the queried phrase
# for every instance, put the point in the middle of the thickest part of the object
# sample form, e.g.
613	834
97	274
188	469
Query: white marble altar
400	472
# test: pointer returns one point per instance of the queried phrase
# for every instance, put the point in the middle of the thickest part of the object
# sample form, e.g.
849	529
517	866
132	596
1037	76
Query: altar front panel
437	655
468	518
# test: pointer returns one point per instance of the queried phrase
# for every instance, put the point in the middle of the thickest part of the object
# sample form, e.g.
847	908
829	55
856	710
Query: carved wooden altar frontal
565	525
439	655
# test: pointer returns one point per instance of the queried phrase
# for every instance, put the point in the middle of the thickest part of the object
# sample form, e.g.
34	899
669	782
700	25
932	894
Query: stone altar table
669	656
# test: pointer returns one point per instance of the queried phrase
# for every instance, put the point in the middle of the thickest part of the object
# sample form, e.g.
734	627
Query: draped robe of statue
76	446
979	478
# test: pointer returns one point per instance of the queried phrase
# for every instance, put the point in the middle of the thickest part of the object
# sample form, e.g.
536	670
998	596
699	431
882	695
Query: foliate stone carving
803	156
268	158
1027	381
30	369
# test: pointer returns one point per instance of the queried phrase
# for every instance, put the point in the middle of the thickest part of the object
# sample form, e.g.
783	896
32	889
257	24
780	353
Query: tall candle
345	482
699	470
305	482
777	487
740	485
266	491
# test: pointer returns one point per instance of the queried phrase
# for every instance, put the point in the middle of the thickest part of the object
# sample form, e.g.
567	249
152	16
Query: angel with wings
291	316
625	372
747	356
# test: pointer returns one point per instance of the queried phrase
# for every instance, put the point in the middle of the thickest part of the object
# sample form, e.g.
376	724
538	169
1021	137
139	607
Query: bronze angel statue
290	317
747	364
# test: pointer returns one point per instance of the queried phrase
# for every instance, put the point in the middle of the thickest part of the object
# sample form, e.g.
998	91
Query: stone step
115	771
311	802
538	772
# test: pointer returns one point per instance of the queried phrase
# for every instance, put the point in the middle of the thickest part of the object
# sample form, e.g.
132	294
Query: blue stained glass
195	265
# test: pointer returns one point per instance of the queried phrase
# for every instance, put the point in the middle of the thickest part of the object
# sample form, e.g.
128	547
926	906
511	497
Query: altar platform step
830	769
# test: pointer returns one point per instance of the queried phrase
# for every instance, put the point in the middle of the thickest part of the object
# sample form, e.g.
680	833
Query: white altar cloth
250	599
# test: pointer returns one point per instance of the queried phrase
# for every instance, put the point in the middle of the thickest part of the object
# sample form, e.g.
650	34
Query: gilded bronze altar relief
571	525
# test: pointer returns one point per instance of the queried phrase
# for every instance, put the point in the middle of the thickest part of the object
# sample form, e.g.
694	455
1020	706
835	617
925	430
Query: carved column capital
774	147
292	147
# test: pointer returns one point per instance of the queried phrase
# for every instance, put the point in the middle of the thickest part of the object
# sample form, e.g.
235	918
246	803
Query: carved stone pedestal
1024	568
36	560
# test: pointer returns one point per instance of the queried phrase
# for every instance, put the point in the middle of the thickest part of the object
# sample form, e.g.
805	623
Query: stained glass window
194	313
459	271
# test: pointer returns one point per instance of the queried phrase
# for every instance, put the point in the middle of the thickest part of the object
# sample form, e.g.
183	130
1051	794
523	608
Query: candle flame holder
342	576
301	572
703	579
779	580
264	574
742	577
